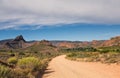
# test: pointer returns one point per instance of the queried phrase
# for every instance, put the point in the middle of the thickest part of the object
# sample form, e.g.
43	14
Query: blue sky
73	32
60	19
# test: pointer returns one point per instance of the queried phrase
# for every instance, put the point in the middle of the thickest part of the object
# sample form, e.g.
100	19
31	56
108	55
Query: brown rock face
16	43
19	38
115	41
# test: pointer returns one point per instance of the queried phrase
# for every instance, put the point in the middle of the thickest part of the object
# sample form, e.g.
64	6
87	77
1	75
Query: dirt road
60	67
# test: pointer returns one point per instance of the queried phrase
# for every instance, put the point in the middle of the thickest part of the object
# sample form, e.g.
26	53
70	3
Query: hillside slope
43	46
17	43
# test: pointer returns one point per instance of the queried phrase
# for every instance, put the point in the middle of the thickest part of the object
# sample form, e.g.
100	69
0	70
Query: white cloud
50	12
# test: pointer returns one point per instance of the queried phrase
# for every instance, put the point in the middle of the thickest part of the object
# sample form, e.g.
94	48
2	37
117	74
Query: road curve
60	67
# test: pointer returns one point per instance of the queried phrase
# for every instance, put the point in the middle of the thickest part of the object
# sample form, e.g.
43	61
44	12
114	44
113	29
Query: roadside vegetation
32	61
24	64
103	54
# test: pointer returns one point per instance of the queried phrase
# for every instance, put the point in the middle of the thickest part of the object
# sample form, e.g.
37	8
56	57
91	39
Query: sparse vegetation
12	60
111	57
28	62
109	49
24	64
80	49
5	72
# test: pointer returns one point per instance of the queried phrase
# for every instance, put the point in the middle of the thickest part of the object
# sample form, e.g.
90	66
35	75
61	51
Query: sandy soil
60	67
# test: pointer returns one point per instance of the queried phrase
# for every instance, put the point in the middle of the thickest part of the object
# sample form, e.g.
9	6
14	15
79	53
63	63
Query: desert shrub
79	54
36	52
12	60
71	55
20	73
5	72
44	63
21	53
32	65
110	57
29	62
12	54
109	49
80	49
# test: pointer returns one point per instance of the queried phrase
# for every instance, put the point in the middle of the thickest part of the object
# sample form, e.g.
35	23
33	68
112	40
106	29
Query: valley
49	59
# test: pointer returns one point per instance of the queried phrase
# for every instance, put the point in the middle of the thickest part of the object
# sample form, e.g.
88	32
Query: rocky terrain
18	42
115	41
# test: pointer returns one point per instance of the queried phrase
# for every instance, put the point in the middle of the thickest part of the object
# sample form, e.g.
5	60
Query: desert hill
20	42
114	41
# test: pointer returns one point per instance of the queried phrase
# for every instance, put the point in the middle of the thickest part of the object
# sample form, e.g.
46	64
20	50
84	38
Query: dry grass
111	57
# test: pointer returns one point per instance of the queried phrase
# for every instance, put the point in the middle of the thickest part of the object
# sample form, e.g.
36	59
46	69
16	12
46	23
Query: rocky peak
19	38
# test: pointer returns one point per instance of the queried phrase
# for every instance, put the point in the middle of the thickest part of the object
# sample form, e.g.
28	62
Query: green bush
71	55
5	72
12	60
12	54
80	54
30	63
21	53
110	57
20	73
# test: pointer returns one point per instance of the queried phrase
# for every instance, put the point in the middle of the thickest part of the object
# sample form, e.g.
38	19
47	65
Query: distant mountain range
114	41
20	42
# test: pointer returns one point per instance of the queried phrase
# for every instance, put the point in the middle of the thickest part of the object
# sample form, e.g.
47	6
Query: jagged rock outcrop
16	43
19	38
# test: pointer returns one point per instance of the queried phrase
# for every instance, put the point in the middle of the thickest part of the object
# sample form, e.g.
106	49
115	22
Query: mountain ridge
114	41
20	42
